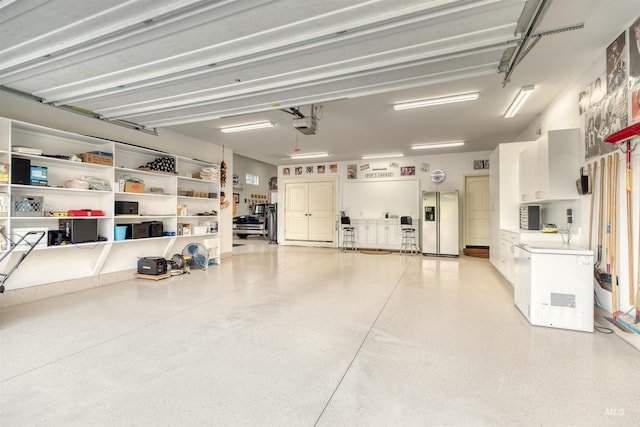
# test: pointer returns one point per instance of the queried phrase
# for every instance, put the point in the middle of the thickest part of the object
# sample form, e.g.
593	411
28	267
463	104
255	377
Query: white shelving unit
160	200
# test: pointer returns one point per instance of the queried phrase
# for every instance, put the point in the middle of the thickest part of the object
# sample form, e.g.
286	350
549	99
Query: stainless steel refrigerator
440	223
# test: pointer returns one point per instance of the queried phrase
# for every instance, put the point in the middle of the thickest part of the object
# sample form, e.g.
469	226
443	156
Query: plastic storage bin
120	232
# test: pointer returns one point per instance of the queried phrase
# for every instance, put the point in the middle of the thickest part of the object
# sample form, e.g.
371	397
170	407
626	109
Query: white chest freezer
554	285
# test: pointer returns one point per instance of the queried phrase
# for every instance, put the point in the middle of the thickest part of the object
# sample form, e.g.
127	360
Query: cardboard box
98	158
4	173
133	187
39	176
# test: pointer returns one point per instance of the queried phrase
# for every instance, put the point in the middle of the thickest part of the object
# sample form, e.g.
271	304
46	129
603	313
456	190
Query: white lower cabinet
366	233
388	233
508	240
383	233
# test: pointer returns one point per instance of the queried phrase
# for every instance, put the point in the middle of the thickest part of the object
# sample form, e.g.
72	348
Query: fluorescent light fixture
381	156
472	96
247	126
308	156
437	145
521	97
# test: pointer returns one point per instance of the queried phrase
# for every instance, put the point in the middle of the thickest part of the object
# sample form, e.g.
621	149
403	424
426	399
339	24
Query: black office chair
408	236
348	234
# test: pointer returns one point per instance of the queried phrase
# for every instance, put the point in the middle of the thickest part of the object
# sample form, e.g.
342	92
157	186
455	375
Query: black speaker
126	208
137	231
156	228
20	171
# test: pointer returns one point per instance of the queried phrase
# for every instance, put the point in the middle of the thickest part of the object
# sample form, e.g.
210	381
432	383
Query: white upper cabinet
549	168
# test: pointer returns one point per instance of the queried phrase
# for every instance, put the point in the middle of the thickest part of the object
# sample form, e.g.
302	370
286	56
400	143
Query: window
252	179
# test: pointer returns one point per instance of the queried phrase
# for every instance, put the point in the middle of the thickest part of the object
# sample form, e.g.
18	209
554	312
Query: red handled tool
627	134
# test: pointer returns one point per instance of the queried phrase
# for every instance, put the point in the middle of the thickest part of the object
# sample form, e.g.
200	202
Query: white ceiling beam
181	117
184	63
500	36
88	33
300	78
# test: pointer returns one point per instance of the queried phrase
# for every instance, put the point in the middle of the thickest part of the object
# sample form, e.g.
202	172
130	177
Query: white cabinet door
366	233
528	173
388	233
508	242
297	211
321	211
503	256
560	159
494	208
547	168
310	211
522	282
511	262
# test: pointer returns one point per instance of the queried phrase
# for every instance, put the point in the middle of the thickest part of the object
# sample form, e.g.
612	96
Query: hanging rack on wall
223	170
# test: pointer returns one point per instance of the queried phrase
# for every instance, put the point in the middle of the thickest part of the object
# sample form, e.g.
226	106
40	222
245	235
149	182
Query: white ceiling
193	66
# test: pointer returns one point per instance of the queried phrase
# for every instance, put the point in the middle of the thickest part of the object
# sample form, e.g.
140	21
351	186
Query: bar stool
408	236
348	234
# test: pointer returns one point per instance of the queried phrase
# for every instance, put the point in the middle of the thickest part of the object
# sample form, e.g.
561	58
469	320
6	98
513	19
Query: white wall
563	113
455	166
244	165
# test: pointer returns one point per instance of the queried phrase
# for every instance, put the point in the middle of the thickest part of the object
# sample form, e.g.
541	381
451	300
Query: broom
614	237
592	178
603	276
617	320
629	224
598	272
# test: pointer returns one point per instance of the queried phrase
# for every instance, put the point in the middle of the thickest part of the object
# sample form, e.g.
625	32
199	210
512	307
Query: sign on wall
481	164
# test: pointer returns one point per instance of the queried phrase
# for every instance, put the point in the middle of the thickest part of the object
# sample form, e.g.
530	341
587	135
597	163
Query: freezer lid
554	248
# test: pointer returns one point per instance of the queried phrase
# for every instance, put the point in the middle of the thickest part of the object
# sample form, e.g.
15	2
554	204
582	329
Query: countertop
575	232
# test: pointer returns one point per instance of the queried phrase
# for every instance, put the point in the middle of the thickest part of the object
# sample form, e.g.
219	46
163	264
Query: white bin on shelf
213	246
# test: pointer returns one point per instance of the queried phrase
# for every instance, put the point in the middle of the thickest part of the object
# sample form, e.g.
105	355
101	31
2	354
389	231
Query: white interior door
321	211
310	211
476	208
296	211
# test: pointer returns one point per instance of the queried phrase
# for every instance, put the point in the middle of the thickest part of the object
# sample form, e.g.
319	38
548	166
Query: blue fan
195	255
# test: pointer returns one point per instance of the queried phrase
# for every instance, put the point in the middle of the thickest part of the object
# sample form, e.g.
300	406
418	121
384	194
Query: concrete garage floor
295	336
